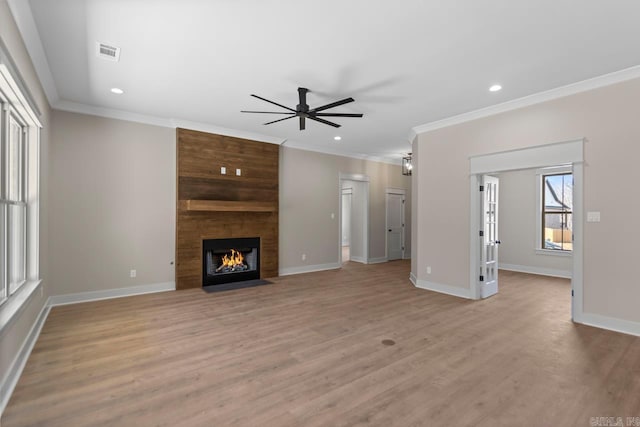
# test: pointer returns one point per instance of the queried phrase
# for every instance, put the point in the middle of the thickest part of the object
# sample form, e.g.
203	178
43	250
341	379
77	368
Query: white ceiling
406	63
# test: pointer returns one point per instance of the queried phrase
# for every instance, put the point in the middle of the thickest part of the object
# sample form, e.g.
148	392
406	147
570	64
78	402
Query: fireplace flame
234	260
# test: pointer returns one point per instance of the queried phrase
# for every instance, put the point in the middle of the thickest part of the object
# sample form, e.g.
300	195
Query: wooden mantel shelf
227	206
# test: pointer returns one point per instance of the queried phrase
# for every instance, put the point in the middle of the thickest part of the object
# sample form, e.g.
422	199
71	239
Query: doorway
347	192
354	218
565	153
395	220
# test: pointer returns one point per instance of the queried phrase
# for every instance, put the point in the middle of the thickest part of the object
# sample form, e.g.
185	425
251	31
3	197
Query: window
557	215
19	164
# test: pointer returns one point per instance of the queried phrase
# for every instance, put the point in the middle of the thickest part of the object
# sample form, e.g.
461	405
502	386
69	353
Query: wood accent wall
200	184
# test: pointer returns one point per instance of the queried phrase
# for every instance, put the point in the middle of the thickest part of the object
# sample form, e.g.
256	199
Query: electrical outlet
333	216
593	216
238	172
223	170
428	270
133	273
304	257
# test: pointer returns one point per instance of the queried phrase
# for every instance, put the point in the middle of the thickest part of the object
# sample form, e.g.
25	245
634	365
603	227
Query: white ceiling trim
23	16
75	107
205	127
301	146
537	98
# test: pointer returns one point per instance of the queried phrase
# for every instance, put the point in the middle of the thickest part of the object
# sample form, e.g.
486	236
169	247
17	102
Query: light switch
238	172
593	216
223	170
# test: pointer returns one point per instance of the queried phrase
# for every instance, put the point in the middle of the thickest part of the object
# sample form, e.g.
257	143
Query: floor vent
107	52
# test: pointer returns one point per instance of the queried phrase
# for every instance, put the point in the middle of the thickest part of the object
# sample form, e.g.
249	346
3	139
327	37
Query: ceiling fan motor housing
303	112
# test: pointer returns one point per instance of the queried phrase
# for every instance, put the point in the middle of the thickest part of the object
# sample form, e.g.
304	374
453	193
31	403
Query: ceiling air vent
110	53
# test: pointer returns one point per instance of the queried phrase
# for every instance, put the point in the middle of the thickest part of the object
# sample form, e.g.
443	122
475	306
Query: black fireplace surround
213	252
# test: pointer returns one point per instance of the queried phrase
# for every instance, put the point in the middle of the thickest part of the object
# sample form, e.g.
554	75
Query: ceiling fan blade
326	122
266	112
338	114
302	97
279	120
274	103
302	123
333	104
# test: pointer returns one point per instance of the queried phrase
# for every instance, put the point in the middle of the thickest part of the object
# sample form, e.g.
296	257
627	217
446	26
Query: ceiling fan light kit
303	112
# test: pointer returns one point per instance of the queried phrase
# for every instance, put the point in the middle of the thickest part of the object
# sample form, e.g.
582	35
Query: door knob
389	230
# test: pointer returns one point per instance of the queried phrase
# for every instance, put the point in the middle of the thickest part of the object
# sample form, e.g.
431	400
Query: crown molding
236	133
75	107
412	136
537	98
380	159
22	15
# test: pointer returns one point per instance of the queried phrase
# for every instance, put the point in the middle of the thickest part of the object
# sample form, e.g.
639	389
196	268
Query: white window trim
539	173
12	92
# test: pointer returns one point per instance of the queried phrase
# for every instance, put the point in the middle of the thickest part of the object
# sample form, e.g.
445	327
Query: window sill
16	303
554	252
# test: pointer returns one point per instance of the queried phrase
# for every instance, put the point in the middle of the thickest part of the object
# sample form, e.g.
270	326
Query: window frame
16	103
540	213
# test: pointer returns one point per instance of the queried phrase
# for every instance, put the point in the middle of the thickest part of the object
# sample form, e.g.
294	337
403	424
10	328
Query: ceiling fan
302	110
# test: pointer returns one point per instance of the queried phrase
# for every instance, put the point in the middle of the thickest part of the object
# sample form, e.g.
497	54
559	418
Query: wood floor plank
308	350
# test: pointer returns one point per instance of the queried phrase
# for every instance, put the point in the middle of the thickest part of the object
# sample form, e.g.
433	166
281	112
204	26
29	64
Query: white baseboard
438	287
535	270
359	259
110	293
12	376
377	260
308	268
413	279
610	323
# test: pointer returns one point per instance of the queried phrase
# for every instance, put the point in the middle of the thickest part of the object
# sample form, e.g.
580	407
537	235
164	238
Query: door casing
561	153
402	192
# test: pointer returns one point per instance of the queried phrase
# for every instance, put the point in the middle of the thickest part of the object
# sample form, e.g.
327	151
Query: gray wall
13	335
608	118
114	209
310	193
517	227
115	204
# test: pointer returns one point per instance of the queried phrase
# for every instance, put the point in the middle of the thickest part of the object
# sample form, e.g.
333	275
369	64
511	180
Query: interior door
395	226
346	216
489	236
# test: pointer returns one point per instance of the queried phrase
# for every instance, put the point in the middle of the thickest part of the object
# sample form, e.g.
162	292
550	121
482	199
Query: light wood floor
307	351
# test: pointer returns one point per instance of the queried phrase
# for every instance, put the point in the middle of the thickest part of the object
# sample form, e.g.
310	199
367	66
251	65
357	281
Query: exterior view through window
557	207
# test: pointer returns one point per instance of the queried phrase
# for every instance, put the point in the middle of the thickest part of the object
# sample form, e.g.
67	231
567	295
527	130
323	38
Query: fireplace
230	260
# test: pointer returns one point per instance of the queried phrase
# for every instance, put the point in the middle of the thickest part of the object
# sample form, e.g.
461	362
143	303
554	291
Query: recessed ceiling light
117	90
337	138
495	88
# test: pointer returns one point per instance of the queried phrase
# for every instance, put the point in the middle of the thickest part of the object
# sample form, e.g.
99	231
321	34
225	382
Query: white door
346	216
395	226
489	237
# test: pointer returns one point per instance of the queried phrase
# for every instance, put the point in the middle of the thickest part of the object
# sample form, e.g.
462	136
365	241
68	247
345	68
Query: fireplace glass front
230	260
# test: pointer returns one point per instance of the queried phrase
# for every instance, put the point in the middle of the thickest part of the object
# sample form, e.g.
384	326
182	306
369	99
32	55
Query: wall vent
108	52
